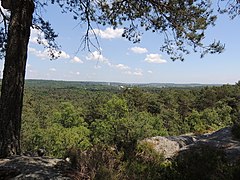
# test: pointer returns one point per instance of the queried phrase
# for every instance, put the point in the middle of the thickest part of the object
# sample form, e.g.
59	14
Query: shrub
148	164
99	162
202	162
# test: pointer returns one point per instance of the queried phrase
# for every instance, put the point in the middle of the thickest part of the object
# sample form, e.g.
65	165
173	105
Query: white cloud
34	32
139	50
121	67
52	69
128	72
97	56
77	73
109	33
138	72
155	58
36	40
40	54
63	55
45	54
33	40
76	60
149	71
37	37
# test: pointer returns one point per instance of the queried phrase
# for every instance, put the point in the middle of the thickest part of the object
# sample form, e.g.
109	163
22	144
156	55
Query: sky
123	61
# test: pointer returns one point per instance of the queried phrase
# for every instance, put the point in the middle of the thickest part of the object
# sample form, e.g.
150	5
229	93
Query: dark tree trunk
13	76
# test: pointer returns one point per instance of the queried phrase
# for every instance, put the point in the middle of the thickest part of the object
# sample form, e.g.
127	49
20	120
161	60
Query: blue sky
123	61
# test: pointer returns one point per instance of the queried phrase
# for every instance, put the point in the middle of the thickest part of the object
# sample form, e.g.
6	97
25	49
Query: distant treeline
85	84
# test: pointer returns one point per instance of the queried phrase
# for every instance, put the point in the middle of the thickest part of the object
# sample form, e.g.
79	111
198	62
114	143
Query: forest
66	118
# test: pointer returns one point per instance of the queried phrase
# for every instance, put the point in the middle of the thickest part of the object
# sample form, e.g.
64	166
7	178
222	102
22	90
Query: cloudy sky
122	61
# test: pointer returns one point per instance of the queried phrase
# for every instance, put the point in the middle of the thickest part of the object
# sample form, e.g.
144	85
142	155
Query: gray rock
26	167
164	145
172	145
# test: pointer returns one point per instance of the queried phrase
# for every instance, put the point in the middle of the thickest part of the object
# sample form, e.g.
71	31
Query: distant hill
92	84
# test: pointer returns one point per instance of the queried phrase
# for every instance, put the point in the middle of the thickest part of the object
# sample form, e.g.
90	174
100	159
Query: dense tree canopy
116	117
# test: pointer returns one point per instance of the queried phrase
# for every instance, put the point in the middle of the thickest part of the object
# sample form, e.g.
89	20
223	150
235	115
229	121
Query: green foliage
194	121
224	112
115	108
124	133
136	98
66	129
210	118
103	132
104	162
99	162
57	118
94	106
57	139
68	117
172	121
102	129
145	152
203	162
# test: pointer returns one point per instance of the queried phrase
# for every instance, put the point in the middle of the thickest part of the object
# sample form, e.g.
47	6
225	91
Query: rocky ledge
43	168
25	167
173	145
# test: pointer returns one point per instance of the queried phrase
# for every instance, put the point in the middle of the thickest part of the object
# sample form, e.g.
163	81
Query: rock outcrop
173	145
26	167
41	168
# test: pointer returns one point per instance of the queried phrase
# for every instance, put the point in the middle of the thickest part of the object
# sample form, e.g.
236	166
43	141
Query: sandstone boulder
172	145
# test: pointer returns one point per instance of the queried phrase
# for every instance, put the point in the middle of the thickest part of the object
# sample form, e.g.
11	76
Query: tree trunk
13	76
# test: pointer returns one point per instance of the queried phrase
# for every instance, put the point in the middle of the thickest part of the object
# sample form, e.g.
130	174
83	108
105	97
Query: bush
202	162
57	139
104	162
99	162
147	164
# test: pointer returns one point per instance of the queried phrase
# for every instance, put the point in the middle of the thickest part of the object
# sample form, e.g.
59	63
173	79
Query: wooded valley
57	116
